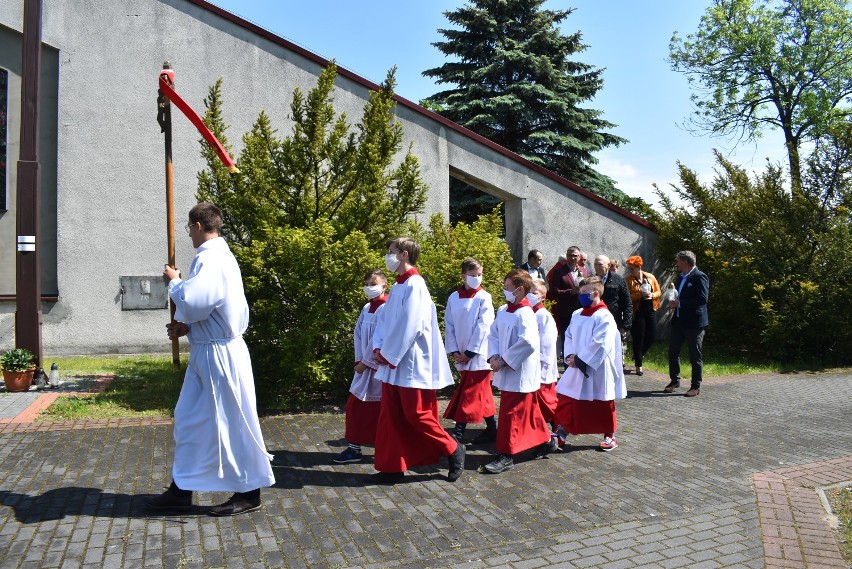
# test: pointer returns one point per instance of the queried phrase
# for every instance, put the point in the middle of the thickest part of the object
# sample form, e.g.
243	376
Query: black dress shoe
387	477
672	386
169	501
235	505
456	463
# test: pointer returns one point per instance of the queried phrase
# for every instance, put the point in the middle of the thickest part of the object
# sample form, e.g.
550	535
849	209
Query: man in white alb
218	443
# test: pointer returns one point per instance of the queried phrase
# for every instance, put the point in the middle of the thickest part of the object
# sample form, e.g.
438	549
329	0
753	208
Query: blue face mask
586	299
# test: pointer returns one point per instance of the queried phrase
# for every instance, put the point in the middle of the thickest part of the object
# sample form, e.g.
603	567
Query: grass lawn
840	500
717	362
143	385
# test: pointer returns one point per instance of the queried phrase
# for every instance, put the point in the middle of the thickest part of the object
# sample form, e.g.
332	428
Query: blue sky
649	102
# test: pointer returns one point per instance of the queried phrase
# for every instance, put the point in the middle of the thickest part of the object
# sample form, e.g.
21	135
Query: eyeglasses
188	226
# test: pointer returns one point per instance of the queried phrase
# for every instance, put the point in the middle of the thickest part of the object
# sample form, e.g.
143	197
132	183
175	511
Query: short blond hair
594	282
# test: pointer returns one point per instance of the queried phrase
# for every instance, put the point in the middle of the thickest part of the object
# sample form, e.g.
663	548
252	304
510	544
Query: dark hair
533	253
687	256
406	244
521	278
208	215
375	273
469	264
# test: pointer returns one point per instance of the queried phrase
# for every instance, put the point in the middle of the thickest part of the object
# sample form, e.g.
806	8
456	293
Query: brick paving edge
794	525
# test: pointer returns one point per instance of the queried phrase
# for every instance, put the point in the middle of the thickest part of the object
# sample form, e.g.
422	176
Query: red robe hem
473	400
520	425
362	420
546	397
579	417
409	432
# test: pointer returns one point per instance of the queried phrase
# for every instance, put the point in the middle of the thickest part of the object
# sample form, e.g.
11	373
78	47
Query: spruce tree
515	83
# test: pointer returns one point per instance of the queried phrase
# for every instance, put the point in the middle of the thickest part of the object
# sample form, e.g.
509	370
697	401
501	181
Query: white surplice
548	335
218	442
467	324
514	337
595	340
408	337
364	385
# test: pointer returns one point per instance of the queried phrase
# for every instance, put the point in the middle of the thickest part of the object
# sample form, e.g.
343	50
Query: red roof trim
420	110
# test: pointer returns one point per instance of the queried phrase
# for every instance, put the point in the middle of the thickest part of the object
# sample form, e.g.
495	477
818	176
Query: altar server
218	443
413	366
594	378
468	319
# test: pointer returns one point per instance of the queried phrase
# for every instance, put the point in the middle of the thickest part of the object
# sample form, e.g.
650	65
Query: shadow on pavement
74	501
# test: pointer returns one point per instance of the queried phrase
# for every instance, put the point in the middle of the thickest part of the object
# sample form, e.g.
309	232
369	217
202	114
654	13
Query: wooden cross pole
164	117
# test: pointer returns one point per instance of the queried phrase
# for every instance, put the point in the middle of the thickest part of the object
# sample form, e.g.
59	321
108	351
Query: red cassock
362	419
585	417
546	397
409	432
473	400
521	425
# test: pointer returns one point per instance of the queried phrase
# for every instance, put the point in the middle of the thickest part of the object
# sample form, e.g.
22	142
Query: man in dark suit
689	321
616	295
533	265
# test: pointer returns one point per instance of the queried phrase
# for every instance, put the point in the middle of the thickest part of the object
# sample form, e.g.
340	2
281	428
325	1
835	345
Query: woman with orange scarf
645	294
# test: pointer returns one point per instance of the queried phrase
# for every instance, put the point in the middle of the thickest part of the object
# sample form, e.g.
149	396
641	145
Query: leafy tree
777	260
516	84
307	216
783	64
444	246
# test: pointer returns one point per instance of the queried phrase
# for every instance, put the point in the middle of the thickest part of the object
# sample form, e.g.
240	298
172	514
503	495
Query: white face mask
473	282
509	294
373	291
391	262
532	299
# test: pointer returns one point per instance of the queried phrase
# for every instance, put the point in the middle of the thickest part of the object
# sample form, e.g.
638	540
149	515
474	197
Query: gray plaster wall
110	183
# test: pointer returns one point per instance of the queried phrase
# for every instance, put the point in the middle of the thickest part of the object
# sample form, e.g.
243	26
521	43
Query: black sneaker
348	456
456	463
501	464
489	435
546	448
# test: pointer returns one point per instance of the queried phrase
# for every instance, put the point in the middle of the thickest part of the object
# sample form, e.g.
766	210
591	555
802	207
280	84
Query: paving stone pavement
678	492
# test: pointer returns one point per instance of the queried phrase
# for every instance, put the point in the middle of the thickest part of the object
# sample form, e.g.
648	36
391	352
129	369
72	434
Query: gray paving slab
677	493
13	404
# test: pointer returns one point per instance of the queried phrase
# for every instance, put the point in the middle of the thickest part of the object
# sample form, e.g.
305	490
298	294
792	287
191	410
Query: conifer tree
515	82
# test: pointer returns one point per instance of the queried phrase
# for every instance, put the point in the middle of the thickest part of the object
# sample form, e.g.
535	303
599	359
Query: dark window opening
467	203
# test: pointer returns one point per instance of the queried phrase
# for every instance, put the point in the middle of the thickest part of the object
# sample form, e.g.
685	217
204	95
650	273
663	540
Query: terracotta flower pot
18	380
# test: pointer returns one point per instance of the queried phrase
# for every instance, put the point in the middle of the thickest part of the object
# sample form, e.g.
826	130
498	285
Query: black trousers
644	332
693	337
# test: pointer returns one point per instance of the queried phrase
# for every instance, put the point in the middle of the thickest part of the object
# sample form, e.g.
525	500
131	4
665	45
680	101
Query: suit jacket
537	273
693	300
616	295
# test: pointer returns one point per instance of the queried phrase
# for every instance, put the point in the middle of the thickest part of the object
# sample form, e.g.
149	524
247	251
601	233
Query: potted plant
18	368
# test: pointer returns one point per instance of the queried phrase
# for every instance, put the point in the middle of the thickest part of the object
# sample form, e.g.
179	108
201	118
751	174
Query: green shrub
444	246
19	359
